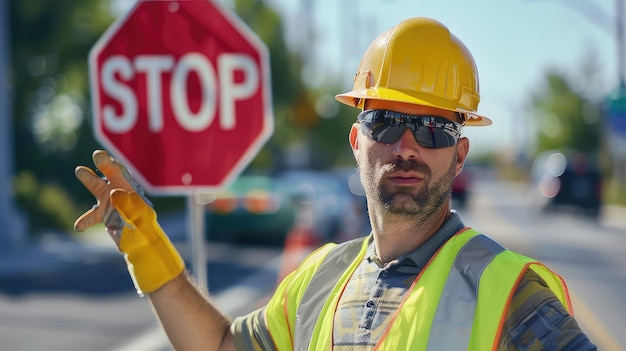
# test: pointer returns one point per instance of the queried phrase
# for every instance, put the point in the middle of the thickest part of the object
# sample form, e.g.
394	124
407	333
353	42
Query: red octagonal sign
181	94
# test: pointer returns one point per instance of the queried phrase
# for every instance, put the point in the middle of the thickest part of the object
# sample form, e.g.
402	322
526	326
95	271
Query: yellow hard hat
419	62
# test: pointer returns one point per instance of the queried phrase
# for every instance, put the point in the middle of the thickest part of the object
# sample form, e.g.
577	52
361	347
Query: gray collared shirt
376	290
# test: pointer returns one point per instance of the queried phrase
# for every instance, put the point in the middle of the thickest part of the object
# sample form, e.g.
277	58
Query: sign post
181	94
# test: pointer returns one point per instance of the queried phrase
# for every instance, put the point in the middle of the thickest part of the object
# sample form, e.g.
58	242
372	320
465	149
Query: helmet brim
357	100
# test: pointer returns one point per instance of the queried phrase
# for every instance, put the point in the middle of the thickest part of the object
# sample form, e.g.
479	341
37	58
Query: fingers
87	219
116	177
103	161
131	206
96	185
98	188
113	170
93	216
123	201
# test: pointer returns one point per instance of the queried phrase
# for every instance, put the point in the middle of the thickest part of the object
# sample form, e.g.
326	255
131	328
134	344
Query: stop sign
181	94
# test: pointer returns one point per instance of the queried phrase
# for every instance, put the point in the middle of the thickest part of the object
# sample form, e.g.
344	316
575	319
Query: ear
462	150
353	138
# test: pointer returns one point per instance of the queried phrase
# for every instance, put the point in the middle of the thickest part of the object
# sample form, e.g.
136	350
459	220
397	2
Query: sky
513	42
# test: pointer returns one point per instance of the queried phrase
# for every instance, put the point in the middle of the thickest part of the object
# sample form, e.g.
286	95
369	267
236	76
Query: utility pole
13	233
307	37
617	106
619	35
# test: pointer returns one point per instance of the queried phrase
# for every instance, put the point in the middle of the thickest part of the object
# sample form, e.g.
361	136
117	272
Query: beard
406	202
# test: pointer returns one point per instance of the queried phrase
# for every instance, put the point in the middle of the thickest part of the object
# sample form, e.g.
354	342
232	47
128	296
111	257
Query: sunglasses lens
430	132
384	133
434	138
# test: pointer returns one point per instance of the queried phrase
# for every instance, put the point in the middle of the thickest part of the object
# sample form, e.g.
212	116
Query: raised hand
131	221
115	176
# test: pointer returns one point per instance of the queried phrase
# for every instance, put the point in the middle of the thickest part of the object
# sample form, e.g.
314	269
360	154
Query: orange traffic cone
300	241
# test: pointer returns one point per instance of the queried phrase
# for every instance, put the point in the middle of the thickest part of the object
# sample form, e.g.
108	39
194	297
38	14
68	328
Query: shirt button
384	274
370	304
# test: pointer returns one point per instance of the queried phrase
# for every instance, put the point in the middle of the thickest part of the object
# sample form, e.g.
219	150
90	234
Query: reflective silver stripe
452	325
251	332
318	291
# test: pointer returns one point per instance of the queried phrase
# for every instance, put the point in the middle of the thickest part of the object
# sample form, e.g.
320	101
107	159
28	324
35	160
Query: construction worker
422	280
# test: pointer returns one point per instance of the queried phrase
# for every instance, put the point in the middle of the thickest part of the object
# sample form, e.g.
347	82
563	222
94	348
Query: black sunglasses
429	131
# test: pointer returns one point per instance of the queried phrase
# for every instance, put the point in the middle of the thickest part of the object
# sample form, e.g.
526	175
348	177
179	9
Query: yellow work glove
131	221
152	259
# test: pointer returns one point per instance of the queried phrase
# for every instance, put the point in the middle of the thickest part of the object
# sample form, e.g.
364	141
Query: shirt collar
422	254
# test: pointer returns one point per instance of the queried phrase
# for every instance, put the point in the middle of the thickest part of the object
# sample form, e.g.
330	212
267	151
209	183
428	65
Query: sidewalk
614	217
51	255
53	252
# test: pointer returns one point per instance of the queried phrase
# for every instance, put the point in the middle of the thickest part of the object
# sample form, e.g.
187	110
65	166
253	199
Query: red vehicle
460	189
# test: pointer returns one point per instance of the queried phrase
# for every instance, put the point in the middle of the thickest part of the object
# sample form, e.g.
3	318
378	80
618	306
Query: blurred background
549	176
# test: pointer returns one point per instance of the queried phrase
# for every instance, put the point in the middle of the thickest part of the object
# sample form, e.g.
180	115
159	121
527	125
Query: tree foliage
564	118
49	42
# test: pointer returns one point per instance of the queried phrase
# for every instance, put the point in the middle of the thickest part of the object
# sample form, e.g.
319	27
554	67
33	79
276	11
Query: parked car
253	209
337	213
571	182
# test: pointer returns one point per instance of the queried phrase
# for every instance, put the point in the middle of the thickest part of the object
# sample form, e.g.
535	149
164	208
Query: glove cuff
152	266
151	257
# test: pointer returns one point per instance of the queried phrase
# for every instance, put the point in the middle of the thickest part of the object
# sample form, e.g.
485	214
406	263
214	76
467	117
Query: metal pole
619	162
195	213
12	224
619	35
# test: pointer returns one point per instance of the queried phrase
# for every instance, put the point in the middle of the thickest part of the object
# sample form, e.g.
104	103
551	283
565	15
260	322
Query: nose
406	147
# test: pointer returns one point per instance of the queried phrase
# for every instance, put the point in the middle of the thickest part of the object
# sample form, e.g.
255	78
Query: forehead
409	108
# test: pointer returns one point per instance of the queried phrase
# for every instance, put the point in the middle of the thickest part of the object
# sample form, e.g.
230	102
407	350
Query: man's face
404	178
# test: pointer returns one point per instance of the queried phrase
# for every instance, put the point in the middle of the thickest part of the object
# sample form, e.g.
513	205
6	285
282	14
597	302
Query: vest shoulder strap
320	287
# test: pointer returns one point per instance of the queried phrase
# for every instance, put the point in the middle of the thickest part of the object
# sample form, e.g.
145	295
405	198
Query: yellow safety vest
457	302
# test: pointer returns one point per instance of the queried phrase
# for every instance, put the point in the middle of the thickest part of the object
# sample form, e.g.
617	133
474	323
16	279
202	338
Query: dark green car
253	209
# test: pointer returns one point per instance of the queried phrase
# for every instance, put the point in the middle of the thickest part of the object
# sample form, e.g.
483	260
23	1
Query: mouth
405	179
